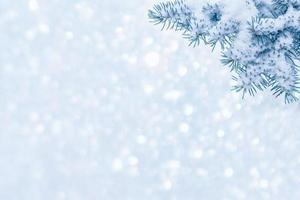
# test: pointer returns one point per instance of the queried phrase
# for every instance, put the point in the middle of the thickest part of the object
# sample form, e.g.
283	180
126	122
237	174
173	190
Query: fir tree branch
261	50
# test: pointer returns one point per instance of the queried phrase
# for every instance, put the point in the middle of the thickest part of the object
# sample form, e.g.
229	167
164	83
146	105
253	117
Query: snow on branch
259	39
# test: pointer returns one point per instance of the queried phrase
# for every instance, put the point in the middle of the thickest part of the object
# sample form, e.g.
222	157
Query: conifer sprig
261	50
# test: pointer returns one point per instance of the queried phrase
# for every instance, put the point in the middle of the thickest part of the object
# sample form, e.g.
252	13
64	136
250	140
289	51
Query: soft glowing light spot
141	139
69	35
57	127
197	154
167	184
182	71
172	47
84	10
33	5
238	106
254	172
40	128
201	172
172	95
184	127
127	18
117	164
188	110
45	80
152	59
148	89
34	117
43	28
220	133
132	160
264	183
226	113
125	151
173	164
30	35
148	41
228	172
255	141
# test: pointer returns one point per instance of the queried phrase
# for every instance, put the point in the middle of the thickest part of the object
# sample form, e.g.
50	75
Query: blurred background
97	103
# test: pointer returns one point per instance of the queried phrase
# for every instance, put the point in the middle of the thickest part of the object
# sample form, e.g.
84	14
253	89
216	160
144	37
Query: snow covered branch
260	39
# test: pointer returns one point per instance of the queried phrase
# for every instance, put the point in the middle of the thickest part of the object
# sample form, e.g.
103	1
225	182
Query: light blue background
96	103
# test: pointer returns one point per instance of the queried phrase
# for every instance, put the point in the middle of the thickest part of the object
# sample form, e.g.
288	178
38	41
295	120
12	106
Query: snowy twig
260	39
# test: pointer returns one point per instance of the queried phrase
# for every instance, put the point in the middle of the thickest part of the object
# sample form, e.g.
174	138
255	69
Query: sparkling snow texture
98	104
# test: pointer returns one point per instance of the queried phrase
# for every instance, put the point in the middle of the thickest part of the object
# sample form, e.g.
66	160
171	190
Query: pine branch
261	50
